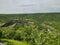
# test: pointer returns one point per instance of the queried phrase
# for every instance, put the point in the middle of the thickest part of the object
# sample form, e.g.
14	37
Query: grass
13	42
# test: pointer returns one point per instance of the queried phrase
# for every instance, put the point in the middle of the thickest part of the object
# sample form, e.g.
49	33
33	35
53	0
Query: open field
30	29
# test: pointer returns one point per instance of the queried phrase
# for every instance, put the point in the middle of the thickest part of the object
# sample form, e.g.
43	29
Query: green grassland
30	29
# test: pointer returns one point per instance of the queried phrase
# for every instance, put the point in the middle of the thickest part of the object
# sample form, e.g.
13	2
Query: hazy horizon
29	6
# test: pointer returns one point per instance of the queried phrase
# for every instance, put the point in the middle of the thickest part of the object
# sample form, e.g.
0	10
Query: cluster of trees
35	34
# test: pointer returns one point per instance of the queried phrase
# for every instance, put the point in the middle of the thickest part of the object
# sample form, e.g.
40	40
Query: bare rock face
24	22
7	24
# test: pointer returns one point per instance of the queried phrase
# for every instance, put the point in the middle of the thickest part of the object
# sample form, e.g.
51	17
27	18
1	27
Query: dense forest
30	29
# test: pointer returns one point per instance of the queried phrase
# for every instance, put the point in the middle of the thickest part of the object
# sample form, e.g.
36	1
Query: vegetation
30	29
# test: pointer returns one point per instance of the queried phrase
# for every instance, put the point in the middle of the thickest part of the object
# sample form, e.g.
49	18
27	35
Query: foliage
13	42
42	29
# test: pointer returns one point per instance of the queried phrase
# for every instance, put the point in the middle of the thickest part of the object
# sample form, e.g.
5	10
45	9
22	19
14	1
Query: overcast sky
29	6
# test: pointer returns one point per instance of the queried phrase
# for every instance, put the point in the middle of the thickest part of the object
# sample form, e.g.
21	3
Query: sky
29	6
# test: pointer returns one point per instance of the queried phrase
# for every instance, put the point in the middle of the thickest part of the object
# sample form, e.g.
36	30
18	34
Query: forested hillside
30	29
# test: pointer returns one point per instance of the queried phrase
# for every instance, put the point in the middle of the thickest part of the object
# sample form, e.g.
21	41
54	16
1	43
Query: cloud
29	6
